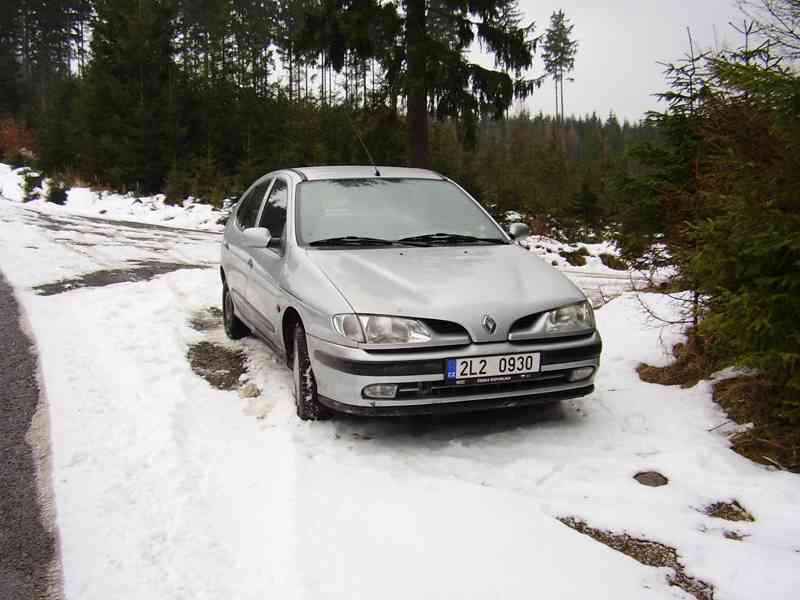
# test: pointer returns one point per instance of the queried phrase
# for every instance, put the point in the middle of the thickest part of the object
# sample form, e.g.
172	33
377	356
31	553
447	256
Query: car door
263	284
240	261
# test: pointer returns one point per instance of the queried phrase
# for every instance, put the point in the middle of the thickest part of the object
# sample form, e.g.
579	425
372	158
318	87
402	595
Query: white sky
620	45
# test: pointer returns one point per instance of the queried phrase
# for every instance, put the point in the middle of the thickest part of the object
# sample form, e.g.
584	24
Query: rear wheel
234	328
306	399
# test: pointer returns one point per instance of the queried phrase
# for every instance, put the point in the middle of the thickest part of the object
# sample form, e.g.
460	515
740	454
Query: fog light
582	373
381	391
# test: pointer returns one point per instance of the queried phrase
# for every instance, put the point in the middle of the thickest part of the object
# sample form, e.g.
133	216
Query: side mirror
256	237
519	230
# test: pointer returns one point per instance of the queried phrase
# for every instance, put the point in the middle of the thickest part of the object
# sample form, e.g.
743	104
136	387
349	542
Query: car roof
364	172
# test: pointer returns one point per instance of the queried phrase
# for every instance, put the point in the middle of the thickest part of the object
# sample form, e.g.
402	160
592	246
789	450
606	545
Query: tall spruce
422	46
558	52
127	93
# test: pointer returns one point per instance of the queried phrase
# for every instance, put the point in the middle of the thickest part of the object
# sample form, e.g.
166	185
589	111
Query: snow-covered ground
167	488
600	282
125	207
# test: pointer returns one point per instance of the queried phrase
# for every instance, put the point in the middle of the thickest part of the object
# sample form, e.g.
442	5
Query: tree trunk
563	116
556	129
417	105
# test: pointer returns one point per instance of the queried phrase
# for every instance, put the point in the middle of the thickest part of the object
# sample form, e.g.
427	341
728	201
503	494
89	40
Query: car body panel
451	283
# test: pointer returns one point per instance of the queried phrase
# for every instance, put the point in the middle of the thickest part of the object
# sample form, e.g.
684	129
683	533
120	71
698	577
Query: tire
234	328
309	408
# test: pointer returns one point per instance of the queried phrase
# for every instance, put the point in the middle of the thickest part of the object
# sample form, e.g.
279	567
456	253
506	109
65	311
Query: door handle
250	262
227	245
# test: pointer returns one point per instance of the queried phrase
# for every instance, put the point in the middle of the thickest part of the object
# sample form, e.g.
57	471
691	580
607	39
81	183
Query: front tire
306	399
234	328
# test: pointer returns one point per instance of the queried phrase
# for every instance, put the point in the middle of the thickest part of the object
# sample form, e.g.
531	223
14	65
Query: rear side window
273	217
248	211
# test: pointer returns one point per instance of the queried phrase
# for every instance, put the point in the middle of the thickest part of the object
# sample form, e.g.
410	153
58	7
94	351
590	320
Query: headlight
379	329
570	319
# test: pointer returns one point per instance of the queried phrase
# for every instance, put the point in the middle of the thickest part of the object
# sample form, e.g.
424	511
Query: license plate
489	369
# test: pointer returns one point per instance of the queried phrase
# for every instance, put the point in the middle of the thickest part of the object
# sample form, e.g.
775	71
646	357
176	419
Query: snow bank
11	183
123	207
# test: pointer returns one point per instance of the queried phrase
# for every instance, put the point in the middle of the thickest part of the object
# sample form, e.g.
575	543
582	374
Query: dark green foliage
612	262
127	93
422	46
188	98
31	185
748	257
577	258
722	188
587	205
59	129
56	192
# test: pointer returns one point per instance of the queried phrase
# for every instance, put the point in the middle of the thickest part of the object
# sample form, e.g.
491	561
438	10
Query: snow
10	183
167	488
600	283
126	207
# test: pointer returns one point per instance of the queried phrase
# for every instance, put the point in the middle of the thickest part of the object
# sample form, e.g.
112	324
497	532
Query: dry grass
772	440
690	366
730	511
612	262
576	258
652	554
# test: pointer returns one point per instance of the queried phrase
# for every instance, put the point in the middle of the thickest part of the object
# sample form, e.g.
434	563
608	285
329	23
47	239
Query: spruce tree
422	46
559	55
126	93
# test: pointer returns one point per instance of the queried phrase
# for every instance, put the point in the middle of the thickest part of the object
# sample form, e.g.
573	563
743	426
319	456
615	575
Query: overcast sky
620	45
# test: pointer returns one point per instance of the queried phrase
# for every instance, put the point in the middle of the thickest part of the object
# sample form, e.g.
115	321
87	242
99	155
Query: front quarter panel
314	297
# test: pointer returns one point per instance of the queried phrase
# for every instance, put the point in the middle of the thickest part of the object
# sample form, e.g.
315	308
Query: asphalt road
29	559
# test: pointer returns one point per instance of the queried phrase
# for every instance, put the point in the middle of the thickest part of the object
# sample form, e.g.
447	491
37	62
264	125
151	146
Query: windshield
334	212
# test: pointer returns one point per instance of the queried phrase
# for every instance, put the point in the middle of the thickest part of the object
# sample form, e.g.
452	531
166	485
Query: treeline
198	98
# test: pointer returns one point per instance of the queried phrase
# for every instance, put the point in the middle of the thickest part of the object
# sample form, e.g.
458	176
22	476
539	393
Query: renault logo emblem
488	323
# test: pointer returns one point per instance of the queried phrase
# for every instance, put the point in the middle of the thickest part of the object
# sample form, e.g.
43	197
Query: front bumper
343	372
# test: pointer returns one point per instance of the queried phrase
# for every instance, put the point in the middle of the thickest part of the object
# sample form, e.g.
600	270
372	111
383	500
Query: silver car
391	291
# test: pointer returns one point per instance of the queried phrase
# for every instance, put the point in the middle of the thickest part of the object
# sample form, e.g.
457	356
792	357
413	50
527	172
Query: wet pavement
143	270
29	562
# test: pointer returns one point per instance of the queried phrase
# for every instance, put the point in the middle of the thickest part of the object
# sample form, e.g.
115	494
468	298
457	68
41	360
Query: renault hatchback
391	291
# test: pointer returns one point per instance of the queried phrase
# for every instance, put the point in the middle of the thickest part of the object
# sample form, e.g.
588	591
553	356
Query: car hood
449	283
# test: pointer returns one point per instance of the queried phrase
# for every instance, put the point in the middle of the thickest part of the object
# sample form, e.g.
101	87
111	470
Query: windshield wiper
352	240
450	238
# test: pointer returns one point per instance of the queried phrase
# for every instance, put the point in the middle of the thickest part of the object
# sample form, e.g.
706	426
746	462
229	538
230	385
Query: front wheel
234	328
309	408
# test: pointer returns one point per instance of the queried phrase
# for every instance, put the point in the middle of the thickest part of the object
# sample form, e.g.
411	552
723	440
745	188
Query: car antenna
364	146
